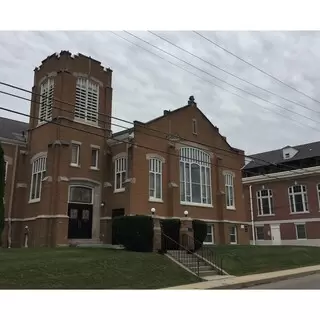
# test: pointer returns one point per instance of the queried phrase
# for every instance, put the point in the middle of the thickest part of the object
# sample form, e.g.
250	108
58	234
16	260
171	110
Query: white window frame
190	157
305	231
97	150
256	233
46	101
78	146
233	228
229	178
38	171
211	233
155	170
318	194
120	168
89	112
6	170
304	195
194	126
260	198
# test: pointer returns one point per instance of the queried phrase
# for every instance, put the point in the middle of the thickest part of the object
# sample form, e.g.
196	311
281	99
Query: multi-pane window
301	231
195	176
87	101
38	172
265	202
120	173
46	100
298	199
260	233
94	158
155	178
229	190
233	235
209	238
75	154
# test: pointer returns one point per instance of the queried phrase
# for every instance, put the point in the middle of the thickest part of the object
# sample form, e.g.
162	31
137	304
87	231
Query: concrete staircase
92	243
191	262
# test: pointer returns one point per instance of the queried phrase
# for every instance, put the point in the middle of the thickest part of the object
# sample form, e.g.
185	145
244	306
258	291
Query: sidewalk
249	280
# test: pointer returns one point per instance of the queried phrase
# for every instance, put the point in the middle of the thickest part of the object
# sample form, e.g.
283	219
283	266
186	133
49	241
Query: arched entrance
80	208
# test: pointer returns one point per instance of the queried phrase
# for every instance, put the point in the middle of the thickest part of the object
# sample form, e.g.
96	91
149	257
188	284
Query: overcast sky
144	85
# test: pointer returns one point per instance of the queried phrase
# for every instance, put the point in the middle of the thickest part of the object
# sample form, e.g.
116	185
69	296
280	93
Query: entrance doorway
275	234
80	209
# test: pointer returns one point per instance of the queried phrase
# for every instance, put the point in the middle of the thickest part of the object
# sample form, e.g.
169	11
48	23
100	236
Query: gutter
13	183
251	211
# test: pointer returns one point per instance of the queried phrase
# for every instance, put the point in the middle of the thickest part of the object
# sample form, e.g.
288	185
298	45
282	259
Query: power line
219	79
253	66
232	74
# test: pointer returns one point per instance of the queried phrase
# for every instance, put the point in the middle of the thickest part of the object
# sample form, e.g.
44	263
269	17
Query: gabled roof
12	129
305	151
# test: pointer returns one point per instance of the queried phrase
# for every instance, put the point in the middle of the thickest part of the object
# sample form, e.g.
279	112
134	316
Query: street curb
254	283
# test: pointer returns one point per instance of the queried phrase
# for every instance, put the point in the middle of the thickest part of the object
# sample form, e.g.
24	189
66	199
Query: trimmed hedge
199	233
135	233
2	187
171	228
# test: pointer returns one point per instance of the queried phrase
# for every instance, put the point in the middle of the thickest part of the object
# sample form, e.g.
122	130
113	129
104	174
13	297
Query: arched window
80	194
37	175
195	176
298	199
155	179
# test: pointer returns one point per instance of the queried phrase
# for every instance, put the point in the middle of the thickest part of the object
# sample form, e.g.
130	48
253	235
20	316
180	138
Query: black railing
182	254
207	254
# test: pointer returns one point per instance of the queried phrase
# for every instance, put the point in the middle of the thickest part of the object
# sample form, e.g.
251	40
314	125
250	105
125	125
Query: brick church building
67	174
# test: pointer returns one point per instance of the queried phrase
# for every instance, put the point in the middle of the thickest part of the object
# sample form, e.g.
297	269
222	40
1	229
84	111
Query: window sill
231	208
208	243
196	204
119	190
75	165
302	212
91	124
155	200
304	239
34	200
94	168
266	215
233	242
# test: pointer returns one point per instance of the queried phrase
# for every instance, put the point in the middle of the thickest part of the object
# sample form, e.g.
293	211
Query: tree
2	186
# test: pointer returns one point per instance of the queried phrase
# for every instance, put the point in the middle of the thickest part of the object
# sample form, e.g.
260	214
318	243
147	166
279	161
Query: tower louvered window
87	101
46	101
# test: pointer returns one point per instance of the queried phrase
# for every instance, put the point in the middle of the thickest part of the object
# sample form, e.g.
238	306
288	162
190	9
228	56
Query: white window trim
235	234
270	203
305	231
154	198
256	233
78	144
212	234
97	149
232	175
116	159
304	203
207	165
48	109
33	200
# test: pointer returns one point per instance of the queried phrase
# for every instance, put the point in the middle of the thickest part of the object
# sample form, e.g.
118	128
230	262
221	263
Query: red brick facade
48	215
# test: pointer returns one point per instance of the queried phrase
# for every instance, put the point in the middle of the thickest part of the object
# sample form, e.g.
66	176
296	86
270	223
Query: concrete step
201	268
208	273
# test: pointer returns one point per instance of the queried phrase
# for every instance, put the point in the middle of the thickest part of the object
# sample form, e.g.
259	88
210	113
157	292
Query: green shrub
135	233
199	233
2	186
171	228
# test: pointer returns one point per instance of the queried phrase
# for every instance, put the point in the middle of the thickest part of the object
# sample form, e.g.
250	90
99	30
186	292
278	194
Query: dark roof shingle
12	129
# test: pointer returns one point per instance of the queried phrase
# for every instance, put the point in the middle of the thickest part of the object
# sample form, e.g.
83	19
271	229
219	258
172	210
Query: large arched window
195	176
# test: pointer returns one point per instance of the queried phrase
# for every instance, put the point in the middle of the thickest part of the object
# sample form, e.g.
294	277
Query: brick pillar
186	233
156	234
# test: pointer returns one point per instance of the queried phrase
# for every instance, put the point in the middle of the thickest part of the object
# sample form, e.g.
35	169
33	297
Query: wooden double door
80	221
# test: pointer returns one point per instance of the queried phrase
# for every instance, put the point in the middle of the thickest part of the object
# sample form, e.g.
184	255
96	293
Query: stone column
186	234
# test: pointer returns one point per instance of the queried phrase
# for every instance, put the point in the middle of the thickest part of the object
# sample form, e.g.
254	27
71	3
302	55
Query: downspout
251	211
13	183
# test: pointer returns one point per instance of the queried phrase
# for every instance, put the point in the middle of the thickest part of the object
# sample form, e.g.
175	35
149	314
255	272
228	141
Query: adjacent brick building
67	179
284	204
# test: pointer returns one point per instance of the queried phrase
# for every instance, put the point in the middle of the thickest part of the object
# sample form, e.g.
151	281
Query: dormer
288	152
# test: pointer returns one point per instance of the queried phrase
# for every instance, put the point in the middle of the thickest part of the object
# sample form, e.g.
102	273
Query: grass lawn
88	268
242	260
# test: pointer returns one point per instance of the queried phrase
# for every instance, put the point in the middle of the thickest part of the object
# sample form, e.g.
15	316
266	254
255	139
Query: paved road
308	282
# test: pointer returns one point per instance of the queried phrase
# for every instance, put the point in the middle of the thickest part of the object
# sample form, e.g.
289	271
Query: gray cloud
144	85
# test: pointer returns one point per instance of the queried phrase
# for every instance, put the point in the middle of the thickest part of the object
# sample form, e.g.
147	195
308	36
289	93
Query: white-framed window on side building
37	175
155	179
46	100
195	177
120	173
75	154
259	233
298	199
233	235
301	232
229	189
264	202
210	235
95	158
87	101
